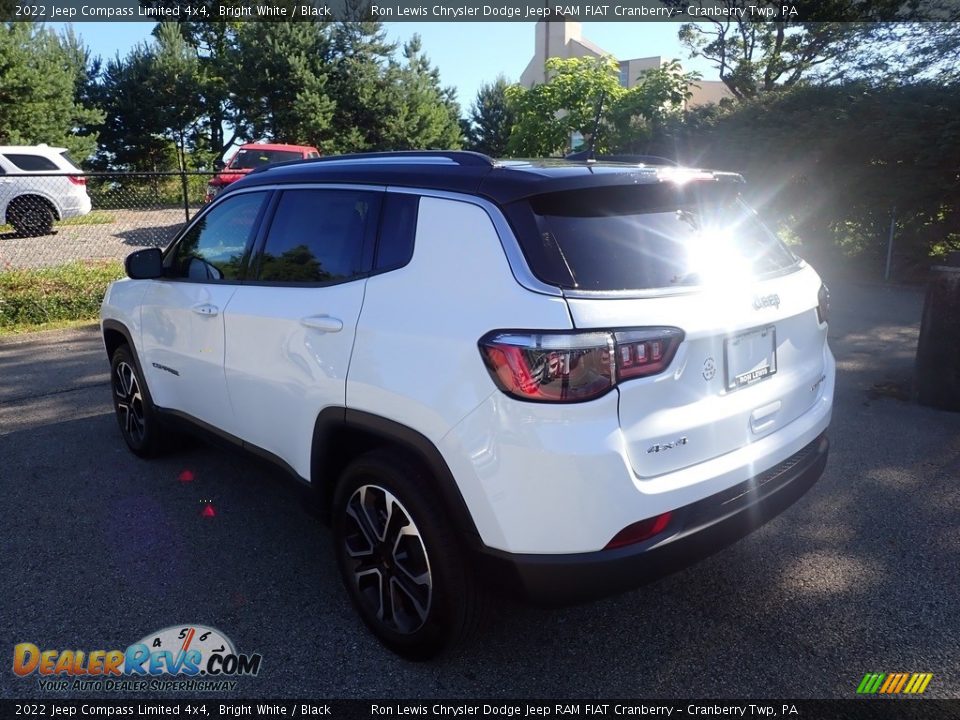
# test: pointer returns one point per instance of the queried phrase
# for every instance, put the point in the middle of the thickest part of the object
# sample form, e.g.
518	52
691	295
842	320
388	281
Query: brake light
823	304
575	366
639	531
77	180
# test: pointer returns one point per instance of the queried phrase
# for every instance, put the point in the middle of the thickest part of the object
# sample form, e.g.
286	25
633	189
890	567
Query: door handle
323	323
206	309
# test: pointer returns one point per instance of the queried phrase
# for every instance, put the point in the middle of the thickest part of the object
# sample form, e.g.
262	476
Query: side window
320	236
32	163
397	231
213	249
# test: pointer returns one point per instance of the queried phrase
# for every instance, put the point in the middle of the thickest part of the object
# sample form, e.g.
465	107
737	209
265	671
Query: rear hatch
688	256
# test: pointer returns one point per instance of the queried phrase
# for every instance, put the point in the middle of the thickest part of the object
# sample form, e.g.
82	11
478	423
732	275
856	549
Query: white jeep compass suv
563	378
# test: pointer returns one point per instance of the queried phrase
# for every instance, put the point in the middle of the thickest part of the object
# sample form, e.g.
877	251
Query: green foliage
834	164
67	292
491	120
281	93
131	137
336	86
754	56
581	89
422	113
40	84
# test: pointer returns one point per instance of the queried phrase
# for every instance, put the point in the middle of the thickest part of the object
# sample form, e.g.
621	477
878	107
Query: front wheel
134	408
399	559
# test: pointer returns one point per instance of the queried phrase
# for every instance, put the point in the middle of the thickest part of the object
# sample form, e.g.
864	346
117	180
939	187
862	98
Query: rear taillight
575	366
77	180
823	304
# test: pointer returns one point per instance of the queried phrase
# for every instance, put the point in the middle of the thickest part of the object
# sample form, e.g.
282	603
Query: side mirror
144	264
219	165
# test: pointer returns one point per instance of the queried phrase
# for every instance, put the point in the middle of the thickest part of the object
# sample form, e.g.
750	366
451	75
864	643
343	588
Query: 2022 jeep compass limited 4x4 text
565	378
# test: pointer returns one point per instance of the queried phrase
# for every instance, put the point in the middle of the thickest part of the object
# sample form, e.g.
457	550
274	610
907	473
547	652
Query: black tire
31	216
133	405
433	601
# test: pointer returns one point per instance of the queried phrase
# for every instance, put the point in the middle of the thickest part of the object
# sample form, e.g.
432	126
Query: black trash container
938	352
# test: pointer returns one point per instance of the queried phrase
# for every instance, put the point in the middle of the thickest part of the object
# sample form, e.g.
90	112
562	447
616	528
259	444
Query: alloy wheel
388	559
129	400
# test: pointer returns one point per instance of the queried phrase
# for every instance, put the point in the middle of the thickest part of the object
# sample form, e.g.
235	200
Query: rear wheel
400	561
134	408
31	216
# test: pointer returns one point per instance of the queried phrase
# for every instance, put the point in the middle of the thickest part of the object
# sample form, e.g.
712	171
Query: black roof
502	181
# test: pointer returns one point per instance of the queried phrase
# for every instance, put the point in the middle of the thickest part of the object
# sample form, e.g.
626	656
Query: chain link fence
54	219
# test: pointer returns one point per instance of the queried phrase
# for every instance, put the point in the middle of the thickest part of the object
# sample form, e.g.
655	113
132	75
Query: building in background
564	39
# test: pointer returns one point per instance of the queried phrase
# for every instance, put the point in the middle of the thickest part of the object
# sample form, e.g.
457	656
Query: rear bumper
695	532
76	206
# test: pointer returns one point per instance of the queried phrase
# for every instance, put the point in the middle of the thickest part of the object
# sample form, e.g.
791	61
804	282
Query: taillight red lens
575	366
77	180
550	367
639	531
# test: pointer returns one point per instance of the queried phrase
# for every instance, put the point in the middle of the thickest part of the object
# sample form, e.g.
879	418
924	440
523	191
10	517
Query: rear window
69	159
250	159
645	237
31	163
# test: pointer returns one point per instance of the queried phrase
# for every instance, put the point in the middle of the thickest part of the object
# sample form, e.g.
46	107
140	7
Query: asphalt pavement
98	549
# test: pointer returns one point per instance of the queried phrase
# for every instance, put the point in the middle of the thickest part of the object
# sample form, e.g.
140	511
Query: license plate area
750	357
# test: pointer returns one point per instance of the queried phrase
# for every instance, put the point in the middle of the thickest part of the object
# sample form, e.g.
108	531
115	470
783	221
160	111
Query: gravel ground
130	230
861	575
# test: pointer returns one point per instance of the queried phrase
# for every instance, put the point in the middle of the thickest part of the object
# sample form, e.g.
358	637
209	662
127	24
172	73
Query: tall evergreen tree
425	115
40	78
491	119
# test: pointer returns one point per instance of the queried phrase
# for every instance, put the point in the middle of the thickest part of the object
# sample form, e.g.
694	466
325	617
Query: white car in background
38	186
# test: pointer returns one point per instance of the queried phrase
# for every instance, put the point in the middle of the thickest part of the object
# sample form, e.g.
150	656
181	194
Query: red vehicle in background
254	155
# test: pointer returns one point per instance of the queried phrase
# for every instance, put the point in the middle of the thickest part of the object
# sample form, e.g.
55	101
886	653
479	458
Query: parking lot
126	230
861	575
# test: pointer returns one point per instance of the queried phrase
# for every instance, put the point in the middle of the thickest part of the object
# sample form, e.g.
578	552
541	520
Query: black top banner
901	709
479	10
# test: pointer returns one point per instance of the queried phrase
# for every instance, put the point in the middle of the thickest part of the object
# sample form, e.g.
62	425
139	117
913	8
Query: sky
468	54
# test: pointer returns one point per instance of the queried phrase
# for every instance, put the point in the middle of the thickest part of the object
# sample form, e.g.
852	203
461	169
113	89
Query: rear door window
31	163
320	236
645	237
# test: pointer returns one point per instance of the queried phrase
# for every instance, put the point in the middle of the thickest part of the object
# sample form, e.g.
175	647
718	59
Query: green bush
43	295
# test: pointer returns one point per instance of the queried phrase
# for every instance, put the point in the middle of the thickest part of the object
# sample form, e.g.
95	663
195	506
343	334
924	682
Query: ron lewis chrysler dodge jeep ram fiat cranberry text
566	378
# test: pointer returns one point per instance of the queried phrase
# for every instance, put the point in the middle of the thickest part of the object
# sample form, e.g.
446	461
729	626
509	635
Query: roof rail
585	156
455	157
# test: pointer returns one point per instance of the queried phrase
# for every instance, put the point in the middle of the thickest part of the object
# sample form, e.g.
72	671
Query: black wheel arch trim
117	326
334	420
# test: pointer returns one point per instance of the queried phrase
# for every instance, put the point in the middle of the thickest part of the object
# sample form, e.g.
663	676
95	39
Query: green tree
281	93
357	80
422	113
549	113
839	40
213	41
177	89
491	119
584	96
131	137
40	85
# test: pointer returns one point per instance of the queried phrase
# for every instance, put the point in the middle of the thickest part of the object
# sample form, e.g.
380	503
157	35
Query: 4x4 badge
661	447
